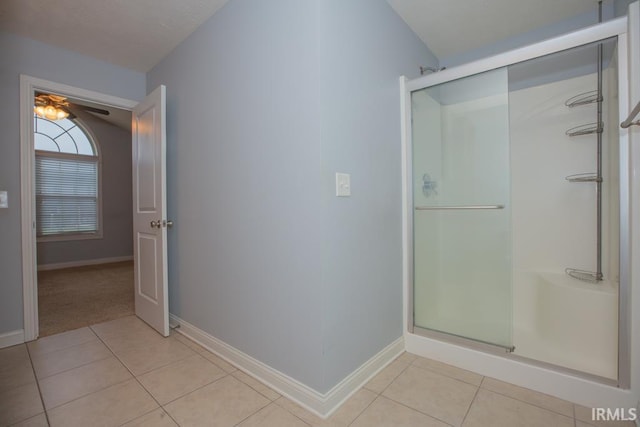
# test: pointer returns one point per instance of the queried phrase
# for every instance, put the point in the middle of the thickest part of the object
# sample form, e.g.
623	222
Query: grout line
249	385
64	348
410	363
530	403
253	413
365	408
84	395
91	392
134	377
143	415
378	395
169	415
417	410
203	352
156	367
163	410
46	413
291	413
138	381
192	391
70	369
471	404
435	371
279	405
482	383
484	387
392	380
88	394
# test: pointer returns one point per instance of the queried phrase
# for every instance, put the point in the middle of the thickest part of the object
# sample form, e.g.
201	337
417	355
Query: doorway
28	89
83	194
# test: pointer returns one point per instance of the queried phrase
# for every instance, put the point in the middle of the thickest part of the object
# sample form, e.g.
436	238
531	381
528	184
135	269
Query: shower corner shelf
584	98
584	177
585	129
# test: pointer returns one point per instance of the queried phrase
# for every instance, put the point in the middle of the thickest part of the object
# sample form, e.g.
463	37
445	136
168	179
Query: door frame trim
28	86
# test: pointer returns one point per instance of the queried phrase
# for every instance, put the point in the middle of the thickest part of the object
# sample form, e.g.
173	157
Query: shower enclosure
513	204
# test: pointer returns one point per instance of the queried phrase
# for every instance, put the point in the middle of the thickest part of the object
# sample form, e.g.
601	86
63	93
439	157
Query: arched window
67	162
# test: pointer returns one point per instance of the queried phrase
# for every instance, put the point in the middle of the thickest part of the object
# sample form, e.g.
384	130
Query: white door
150	211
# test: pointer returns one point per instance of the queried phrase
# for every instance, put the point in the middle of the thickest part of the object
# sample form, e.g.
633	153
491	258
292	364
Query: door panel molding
148	149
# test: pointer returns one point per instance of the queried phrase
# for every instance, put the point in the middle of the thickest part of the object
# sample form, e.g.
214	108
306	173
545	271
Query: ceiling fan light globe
50	112
61	114
39	110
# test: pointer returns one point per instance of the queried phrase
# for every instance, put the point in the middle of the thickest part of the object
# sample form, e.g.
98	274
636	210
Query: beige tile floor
122	373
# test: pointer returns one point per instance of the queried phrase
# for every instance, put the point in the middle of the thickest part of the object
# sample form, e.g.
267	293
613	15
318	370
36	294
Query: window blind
66	194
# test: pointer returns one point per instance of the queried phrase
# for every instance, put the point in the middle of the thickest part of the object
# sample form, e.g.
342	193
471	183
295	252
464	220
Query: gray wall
243	182
21	55
364	48
117	204
265	104
621	7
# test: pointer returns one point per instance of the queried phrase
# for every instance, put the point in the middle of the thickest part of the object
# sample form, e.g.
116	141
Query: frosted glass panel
462	265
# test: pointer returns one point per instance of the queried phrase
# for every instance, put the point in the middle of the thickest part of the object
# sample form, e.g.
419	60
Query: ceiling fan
56	107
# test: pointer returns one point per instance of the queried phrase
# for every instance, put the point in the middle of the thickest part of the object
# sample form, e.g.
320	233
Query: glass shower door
461	217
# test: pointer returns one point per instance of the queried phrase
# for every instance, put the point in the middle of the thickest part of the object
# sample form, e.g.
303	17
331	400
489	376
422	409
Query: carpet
72	298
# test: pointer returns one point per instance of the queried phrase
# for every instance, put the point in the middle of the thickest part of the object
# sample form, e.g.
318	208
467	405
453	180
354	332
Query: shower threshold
508	353
461	340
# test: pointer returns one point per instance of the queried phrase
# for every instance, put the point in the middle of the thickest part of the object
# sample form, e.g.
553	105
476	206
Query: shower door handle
453	208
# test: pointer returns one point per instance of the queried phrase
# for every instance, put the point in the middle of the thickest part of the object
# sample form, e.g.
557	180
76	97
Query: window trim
66	237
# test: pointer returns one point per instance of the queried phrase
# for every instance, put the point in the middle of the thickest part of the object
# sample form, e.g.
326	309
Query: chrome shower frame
413	335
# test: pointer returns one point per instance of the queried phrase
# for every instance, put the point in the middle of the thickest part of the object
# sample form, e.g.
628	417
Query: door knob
167	223
154	224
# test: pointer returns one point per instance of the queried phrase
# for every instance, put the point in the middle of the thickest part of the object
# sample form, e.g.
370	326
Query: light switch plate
343	185
4	200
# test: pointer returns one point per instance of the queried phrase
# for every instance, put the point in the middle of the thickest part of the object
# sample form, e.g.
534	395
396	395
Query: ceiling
134	34
138	34
451	27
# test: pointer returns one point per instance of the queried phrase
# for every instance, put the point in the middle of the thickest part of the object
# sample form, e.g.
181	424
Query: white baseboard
83	263
320	404
11	338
